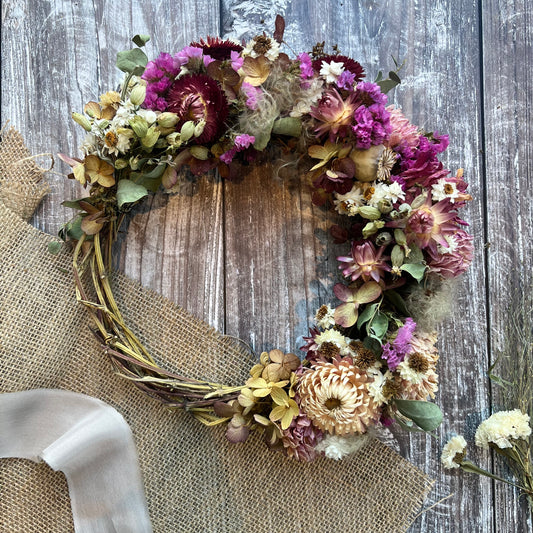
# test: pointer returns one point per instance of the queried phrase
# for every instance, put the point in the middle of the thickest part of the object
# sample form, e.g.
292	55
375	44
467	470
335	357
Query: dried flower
301	438
281	366
365	262
337	447
454	452
502	428
335	397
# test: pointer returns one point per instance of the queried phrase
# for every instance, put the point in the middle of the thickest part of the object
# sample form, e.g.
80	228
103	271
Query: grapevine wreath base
371	359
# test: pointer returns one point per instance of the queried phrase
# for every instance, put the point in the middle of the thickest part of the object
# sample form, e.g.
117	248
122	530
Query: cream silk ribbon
91	444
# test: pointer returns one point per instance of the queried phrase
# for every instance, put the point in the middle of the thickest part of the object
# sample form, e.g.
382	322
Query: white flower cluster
454	447
502	428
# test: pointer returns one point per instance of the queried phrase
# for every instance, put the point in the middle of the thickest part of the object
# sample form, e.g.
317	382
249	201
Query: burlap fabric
195	480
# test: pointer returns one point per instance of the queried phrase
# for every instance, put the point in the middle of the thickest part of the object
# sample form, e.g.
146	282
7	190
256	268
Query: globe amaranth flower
365	262
241	142
429	224
217	48
455	259
197	98
335	397
348	64
334	115
300	439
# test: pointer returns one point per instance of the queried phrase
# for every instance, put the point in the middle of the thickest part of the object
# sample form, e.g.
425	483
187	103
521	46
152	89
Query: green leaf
132	61
262	140
74	204
287	126
141	40
72	229
425	415
129	192
407	425
378	326
386	85
397	301
379	77
373	345
416	270
394	77
415	255
366	315
54	247
369	292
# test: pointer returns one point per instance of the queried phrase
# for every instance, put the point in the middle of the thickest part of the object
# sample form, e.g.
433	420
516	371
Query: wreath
218	104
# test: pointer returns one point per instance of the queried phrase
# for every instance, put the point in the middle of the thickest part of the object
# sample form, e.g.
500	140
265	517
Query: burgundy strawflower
218	48
198	97
349	64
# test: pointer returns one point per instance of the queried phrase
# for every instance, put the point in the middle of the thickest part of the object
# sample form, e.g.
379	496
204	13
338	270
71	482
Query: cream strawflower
502	427
335	397
336	447
335	337
324	317
454	452
375	387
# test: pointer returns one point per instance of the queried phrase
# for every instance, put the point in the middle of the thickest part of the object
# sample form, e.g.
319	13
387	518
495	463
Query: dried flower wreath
372	359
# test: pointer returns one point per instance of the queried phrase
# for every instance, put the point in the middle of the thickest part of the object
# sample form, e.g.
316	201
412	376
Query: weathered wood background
253	258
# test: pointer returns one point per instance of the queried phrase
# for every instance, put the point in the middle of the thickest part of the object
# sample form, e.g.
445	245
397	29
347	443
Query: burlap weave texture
195	480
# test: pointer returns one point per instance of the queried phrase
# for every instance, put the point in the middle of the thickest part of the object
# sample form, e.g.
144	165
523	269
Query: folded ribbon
91	443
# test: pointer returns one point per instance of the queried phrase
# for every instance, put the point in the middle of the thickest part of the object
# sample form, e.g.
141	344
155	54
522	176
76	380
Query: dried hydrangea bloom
335	397
454	452
502	428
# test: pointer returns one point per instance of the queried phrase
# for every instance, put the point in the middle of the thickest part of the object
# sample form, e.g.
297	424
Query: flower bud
385	206
150	138
419	201
370	213
187	130
399	237
174	139
167	120
372	227
199	128
121	163
138	94
139	126
200	152
397	256
82	120
384	238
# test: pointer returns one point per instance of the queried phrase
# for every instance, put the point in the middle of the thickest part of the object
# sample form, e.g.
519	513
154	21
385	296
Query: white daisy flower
444	189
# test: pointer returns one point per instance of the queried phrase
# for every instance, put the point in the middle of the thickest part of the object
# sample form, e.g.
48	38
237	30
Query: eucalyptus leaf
379	77
415	255
72	229
407	425
394	77
373	345
141	40
262	140
378	326
132	61
287	126
386	85
397	301
425	415
129	192
416	270
366	315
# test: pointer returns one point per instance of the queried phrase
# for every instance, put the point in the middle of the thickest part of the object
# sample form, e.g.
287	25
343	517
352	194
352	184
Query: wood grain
252	257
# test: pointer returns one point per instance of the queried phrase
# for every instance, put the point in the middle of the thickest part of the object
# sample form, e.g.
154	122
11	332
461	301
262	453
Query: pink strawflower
429	224
454	260
300	439
333	114
365	262
403	132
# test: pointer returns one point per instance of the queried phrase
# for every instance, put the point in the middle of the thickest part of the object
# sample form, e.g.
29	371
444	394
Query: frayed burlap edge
194	479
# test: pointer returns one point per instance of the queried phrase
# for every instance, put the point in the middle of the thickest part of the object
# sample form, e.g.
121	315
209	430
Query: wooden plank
508	93
56	57
267	259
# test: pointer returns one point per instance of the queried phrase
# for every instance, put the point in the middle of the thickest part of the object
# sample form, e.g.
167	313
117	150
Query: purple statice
372	126
242	142
159	74
306	66
236	60
252	95
346	80
394	354
370	94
